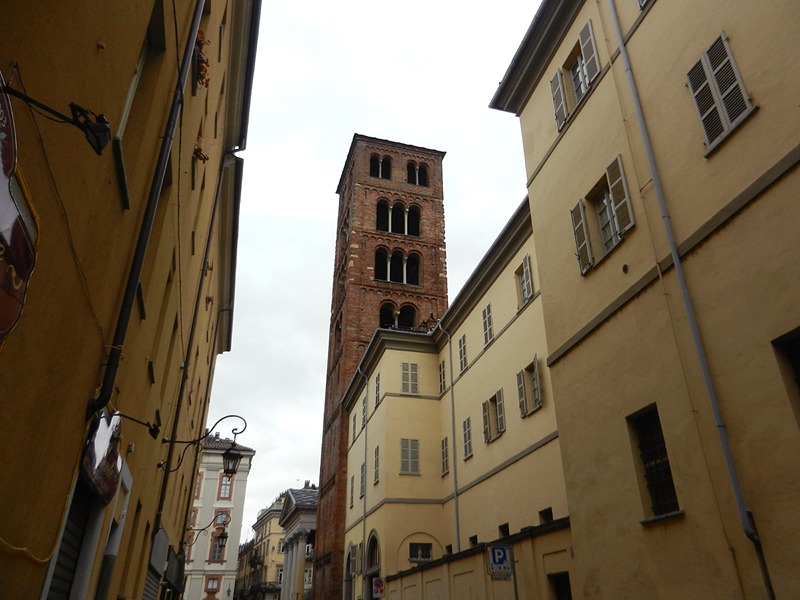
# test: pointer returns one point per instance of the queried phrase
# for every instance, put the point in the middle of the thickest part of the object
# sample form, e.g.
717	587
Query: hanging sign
101	465
18	227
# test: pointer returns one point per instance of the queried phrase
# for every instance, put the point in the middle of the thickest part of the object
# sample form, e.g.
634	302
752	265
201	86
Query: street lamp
230	458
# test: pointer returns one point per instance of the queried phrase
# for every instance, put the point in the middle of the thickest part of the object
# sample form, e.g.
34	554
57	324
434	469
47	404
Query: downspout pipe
453	434
364	498
745	517
103	397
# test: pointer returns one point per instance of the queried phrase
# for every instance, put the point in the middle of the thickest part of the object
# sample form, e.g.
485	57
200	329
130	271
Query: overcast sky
416	72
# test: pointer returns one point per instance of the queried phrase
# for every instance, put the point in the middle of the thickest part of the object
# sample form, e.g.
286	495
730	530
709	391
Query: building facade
659	154
261	571
298	520
454	452
389	271
119	253
215	522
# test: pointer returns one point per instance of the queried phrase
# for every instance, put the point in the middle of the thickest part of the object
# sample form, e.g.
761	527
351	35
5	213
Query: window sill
675	514
412	474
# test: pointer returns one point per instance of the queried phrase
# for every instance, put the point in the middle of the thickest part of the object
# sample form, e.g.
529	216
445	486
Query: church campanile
390	271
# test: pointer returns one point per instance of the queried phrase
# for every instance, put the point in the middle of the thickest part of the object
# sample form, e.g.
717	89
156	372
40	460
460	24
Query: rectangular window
462	352
307	576
352	489
212	584
528	390
282	546
420	552
720	98
657	473
309	550
467	438
409	379
559	586
363	485
524	281
217	552
488	328
225	487
221	518
409	456
494	417
581	68
377	389
611	218
445	457
279	574
442	380
376	468
355	426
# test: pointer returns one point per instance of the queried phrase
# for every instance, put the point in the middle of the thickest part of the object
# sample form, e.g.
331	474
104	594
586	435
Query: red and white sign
377	587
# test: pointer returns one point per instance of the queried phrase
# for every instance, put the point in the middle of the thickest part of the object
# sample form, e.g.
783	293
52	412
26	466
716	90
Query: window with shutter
410	379
488	327
720	98
467	427
528	390
376	469
494	417
462	352
409	456
582	67
611	218
445	457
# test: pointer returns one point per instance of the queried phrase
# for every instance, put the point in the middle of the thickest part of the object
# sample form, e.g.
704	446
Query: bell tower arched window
408	314
382	216
381	264
380	166
412	269
398	218
417	174
387	316
396	267
413	221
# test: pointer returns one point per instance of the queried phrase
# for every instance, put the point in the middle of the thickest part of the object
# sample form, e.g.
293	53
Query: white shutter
523	405
705	103
728	81
620	199
501	412
405	455
589	52
559	103
406	378
487	431
581	232
413	378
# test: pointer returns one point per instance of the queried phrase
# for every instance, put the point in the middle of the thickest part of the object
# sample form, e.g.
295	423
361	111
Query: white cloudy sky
417	72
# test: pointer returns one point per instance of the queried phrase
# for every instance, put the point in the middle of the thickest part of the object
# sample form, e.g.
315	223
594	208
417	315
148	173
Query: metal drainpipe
364	499
453	434
103	397
745	517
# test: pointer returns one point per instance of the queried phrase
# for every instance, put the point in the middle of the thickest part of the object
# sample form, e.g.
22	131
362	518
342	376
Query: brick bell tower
389	271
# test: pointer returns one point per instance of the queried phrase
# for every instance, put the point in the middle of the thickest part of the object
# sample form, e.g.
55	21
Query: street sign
377	587
500	560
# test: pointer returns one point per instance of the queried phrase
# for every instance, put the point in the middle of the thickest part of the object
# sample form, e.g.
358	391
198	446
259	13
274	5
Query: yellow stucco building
124	249
648	286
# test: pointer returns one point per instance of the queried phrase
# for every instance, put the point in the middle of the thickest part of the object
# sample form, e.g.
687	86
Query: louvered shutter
589	52
487	432
728	81
559	103
705	103
536	391
581	232
413	458
405	455
406	378
501	412
413	378
523	405
527	279
620	199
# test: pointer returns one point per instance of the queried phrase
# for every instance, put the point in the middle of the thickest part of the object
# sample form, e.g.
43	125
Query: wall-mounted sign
18	226
101	465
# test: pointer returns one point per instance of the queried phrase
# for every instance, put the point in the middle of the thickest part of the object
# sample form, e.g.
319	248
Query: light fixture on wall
95	127
230	458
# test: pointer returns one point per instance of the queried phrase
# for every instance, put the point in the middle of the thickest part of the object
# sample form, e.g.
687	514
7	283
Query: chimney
307	484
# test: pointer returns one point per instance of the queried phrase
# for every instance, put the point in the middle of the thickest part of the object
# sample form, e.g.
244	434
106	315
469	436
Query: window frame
467	430
442	378
657	483
584	55
488	325
376	466
494	417
409	378
524	281
225	483
462	353
409	456
424	552
445	456
529	389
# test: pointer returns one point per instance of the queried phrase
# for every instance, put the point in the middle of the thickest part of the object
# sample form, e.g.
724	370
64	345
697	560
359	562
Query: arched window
412	269
382	216
396	267
373	554
381	264
380	166
422	175
387	316
413	221
398	218
407	317
411	172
